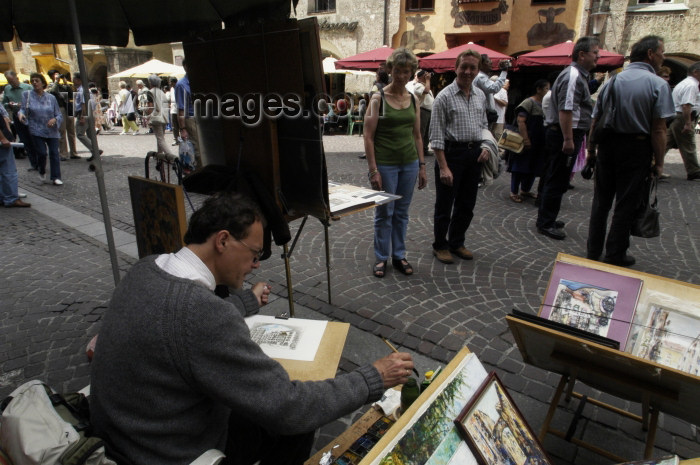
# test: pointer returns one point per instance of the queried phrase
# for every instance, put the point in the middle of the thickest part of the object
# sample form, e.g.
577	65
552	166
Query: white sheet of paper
293	339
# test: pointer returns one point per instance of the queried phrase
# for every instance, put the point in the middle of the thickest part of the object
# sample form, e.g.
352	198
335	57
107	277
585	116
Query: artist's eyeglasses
257	254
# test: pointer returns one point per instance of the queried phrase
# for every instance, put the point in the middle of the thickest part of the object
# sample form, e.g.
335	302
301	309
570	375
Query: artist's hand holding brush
395	368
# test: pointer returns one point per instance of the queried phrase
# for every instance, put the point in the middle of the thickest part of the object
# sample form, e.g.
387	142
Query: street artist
176	373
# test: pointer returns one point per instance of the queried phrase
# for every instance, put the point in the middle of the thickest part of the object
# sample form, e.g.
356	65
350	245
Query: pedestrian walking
40	111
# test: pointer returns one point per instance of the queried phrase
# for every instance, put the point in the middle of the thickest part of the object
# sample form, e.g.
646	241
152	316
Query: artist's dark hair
642	46
40	77
228	211
584	44
540	83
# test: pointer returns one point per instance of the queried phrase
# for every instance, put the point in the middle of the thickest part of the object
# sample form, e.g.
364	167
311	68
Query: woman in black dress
527	165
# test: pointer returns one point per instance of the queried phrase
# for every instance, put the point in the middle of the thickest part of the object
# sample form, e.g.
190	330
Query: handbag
131	116
511	141
603	126
646	220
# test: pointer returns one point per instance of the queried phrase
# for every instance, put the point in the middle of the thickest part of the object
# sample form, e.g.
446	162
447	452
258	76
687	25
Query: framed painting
426	434
495	431
666	330
596	301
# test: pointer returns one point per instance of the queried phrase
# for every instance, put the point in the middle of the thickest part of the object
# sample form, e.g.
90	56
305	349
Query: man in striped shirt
456	124
569	120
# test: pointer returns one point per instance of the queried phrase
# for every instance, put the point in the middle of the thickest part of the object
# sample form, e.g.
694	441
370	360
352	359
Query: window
648	6
321	6
419	5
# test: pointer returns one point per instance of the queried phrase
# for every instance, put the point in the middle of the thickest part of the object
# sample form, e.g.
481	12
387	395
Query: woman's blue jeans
40	147
391	219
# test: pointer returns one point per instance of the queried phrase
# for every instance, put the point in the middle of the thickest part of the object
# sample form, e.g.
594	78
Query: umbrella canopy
329	68
560	55
108	23
151	67
366	60
445	61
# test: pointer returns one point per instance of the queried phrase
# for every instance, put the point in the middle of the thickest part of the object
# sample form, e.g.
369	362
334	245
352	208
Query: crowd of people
47	117
555	120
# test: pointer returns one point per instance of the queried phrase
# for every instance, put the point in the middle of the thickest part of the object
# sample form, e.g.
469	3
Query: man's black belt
556	127
462	145
634	136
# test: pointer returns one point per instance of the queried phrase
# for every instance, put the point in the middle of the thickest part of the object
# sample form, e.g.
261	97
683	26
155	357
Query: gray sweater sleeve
244	300
223	360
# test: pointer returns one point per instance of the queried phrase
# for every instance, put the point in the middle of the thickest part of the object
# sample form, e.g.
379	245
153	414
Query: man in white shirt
488	87
501	101
420	87
681	133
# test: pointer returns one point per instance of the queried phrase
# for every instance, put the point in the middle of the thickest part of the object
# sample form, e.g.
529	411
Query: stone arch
98	75
328	49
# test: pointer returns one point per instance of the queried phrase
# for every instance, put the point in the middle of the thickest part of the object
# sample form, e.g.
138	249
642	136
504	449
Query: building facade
509	27
621	23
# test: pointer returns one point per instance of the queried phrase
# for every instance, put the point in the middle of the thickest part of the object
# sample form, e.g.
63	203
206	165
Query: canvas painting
596	301
583	306
431	437
668	336
496	432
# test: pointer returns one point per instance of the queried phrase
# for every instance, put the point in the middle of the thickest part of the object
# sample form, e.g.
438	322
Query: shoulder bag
603	126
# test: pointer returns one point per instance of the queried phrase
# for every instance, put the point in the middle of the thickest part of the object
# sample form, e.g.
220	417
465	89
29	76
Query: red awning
560	55
445	61
366	60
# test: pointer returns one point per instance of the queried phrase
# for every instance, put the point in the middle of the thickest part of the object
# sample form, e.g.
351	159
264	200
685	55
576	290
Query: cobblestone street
57	281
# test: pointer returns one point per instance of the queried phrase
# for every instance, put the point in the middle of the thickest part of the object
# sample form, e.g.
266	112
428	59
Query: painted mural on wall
549	33
417	38
478	18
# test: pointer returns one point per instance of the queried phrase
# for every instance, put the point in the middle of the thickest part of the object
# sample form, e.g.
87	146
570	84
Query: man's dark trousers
26	139
622	166
454	205
556	180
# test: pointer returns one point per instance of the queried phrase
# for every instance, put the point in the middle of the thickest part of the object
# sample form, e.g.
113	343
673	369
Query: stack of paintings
468	420
653	326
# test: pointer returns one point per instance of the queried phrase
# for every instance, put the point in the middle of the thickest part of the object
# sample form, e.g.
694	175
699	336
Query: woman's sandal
529	194
402	265
379	269
516	198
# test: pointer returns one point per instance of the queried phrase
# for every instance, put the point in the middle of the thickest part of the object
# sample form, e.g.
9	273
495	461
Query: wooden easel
656	387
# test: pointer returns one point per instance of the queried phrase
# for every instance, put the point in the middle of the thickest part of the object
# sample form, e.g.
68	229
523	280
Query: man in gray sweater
176	373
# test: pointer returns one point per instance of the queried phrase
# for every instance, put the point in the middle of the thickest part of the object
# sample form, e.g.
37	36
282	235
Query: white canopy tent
355	81
151	67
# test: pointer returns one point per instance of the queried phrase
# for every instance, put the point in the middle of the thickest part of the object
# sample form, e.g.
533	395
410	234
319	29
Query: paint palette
364	444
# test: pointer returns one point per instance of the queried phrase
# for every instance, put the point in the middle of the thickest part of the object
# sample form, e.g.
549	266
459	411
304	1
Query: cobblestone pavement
59	285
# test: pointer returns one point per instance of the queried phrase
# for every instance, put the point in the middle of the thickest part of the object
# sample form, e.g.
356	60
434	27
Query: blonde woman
394	150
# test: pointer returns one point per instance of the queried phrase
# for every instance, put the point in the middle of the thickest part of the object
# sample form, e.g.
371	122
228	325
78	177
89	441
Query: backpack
41	427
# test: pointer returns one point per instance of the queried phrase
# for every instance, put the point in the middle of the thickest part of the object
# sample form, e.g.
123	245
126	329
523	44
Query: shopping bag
646	221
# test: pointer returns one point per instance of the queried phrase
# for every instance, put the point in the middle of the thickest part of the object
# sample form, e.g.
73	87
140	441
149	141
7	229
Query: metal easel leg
328	263
288	272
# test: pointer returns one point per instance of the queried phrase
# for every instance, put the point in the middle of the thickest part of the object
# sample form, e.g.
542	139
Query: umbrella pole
99	173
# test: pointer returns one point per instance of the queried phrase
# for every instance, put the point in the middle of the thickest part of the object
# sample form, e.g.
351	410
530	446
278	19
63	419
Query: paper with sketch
293	339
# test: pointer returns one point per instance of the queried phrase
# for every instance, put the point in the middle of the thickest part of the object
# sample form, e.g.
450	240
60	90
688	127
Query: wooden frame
495	430
159	215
